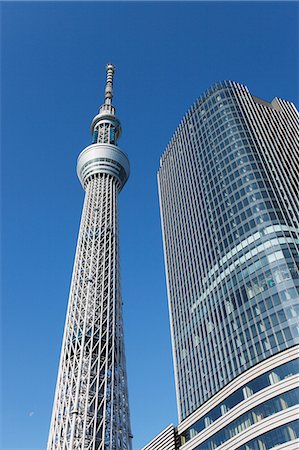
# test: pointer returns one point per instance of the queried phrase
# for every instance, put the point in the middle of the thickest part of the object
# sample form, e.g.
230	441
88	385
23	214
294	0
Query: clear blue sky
53	70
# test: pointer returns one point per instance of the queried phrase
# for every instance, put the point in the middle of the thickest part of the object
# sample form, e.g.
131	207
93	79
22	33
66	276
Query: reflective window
95	136
271	377
273	438
266	409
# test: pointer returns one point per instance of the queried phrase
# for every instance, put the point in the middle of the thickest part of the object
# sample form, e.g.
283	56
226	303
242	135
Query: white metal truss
90	409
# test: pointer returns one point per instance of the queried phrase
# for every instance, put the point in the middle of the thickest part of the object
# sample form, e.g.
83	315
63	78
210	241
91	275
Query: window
269	407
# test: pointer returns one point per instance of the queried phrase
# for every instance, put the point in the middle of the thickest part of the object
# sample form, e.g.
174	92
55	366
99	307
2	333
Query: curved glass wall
273	438
252	387
260	412
231	238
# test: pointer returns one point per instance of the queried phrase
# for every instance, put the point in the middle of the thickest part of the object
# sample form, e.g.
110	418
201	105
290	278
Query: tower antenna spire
110	69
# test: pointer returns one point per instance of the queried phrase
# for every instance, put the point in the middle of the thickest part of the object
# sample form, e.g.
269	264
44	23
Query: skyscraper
91	402
228	184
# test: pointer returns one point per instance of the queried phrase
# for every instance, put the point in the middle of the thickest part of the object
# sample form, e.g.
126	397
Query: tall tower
91	402
228	184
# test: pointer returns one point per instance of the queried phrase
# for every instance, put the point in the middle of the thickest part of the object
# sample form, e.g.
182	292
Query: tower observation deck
91	409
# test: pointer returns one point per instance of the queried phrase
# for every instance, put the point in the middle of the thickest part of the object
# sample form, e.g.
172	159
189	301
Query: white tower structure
90	409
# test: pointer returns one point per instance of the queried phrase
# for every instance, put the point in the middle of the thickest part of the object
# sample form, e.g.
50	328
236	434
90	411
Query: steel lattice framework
91	401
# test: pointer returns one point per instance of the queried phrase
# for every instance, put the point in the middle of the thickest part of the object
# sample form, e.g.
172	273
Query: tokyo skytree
91	409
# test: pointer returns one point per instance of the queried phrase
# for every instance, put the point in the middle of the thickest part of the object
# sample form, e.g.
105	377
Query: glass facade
269	378
260	412
273	438
228	188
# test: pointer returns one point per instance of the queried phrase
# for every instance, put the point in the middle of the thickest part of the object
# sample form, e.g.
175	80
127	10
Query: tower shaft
91	401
